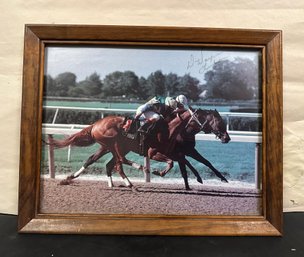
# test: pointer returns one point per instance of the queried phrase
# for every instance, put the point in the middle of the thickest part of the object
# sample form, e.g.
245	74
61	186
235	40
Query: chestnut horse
107	132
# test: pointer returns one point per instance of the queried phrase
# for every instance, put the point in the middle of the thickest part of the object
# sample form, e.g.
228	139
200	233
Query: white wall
285	15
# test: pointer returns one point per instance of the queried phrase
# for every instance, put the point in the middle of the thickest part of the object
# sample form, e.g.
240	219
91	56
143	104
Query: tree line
122	85
228	80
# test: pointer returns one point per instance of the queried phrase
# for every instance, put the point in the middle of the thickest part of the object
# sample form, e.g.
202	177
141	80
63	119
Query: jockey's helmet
181	99
154	100
171	102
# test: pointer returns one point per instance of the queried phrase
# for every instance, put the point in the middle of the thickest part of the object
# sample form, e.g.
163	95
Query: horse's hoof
64	182
67	181
156	172
224	180
134	189
124	186
188	189
199	180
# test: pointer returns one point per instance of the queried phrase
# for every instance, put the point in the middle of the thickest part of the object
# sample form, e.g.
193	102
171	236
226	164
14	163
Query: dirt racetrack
94	197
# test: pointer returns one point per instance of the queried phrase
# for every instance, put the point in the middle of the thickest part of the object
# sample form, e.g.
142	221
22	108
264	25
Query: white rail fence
68	129
104	111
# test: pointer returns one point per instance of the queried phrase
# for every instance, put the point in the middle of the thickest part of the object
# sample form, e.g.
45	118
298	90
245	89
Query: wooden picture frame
30	220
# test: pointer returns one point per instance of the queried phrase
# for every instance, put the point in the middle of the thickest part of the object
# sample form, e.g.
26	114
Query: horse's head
212	122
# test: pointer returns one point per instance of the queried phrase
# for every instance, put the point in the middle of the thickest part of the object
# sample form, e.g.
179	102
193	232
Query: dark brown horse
107	132
208	121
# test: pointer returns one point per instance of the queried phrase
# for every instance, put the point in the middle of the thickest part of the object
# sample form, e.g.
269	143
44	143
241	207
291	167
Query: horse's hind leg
92	159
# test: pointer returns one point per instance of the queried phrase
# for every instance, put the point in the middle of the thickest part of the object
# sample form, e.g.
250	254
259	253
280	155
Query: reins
194	117
202	126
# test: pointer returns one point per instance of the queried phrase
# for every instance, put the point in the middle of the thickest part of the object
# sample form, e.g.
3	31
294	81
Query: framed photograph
151	131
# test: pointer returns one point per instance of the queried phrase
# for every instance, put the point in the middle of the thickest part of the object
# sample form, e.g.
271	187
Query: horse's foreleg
112	164
120	158
157	156
119	168
133	164
137	166
194	171
109	168
197	156
183	170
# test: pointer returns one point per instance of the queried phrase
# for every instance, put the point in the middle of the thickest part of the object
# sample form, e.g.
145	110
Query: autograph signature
203	63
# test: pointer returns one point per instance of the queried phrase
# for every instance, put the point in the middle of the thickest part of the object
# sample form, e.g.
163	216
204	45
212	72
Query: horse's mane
210	111
179	118
177	124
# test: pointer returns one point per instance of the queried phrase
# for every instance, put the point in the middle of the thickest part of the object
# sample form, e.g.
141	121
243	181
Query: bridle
194	117
218	134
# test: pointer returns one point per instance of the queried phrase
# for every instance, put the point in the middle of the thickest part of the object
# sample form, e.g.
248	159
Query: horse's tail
81	138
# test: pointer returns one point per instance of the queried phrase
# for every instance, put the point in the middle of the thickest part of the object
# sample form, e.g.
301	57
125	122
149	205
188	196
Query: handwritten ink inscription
203	63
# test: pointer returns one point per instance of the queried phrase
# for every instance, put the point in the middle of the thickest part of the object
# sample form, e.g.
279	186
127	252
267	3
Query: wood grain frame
31	221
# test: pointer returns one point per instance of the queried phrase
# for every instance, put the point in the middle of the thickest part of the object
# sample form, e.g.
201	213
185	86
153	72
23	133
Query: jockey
154	110
182	102
149	111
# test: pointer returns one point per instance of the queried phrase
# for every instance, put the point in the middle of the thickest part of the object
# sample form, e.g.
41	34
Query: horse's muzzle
225	138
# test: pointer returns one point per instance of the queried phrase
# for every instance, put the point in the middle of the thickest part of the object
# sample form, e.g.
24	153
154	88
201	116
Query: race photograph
158	130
